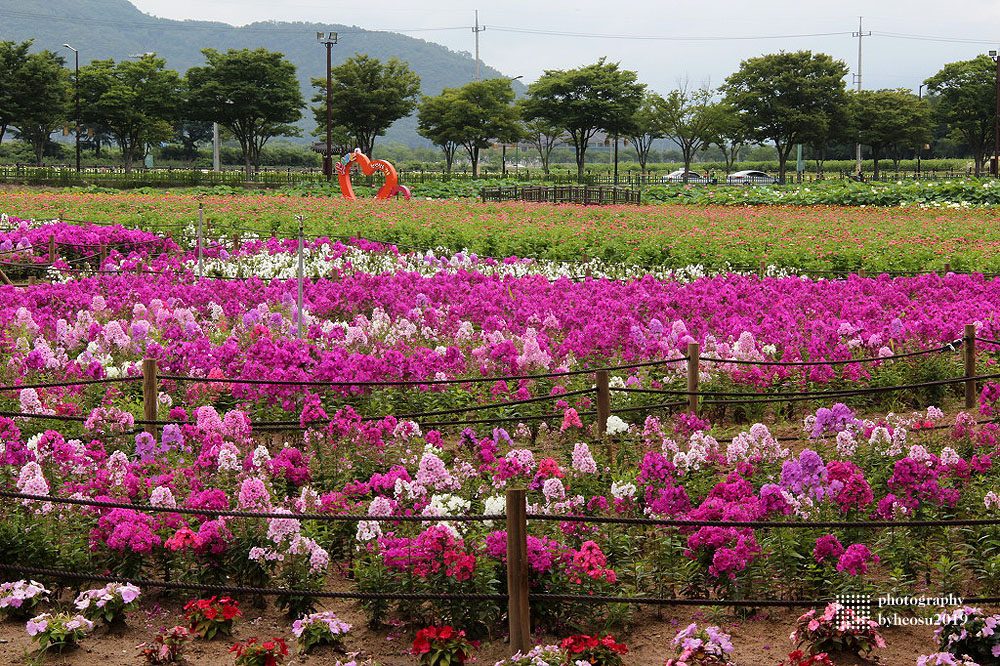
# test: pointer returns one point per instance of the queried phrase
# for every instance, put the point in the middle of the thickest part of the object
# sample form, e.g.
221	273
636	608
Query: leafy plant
595	650
260	653
166	647
59	631
838	629
441	646
213	616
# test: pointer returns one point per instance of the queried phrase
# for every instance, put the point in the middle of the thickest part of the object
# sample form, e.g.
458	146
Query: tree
45	84
368	97
432	125
585	101
966	103
543	136
13	95
881	119
728	133
787	98
136	99
253	94
687	119
475	115
189	134
647	126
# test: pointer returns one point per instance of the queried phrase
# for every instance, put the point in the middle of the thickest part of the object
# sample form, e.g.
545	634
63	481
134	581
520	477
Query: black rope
505	419
225	513
78	382
415	382
951	346
230	589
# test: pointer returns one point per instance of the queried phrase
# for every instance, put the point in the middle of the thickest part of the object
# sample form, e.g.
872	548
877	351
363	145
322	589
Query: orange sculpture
368	167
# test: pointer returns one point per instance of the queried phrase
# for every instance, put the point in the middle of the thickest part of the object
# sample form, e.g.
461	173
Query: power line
598	35
931	38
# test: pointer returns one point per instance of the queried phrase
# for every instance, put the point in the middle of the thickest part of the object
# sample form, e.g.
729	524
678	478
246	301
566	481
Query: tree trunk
39	152
3	130
581	153
686	153
782	161
474	156
875	158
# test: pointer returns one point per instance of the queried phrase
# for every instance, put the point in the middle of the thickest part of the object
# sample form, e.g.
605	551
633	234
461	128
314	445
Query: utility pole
857	77
477	29
216	166
76	93
920	148
329	38
994	159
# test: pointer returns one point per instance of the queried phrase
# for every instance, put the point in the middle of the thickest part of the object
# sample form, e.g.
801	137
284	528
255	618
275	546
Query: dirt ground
762	640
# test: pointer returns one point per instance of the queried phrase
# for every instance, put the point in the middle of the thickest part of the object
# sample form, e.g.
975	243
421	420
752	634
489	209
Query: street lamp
503	158
76	88
994	166
328	38
920	147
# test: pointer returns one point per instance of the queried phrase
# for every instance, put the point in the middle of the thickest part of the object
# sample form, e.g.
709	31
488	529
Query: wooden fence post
518	611
970	365
149	394
947	268
31	280
103	255
603	402
762	270
693	357
861	272
52	248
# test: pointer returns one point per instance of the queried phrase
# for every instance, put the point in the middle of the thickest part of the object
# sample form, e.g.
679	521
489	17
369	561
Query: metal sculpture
368	167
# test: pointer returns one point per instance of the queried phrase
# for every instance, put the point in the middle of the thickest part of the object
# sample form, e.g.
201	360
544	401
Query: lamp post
920	146
328	38
994	161
76	92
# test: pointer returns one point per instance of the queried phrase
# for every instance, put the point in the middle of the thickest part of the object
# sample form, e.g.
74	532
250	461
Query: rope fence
517	595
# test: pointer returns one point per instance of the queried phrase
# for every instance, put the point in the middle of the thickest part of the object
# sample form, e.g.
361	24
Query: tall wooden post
603	402
693	356
518	611
970	365
52	248
149	394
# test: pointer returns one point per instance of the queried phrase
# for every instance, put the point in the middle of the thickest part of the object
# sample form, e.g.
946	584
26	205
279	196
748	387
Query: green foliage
136	99
882	119
647	125
253	94
788	98
13	93
472	116
584	101
966	102
43	83
367	97
688	119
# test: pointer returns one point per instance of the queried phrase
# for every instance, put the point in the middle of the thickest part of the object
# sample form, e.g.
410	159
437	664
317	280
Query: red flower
420	644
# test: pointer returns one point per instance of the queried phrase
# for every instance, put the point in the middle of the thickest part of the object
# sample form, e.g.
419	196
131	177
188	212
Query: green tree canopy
688	119
647	126
13	86
966	102
253	94
542	135
368	97
474	116
788	98
585	101
136	99
883	118
45	84
432	125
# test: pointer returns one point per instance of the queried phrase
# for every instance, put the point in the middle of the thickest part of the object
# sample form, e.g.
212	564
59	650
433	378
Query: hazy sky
948	31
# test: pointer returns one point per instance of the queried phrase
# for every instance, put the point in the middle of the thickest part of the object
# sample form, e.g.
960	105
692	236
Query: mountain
116	29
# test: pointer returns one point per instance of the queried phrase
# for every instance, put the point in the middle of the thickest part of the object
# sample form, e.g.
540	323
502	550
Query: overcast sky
948	30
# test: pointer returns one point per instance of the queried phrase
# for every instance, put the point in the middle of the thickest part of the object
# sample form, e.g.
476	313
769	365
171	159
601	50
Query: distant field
820	237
